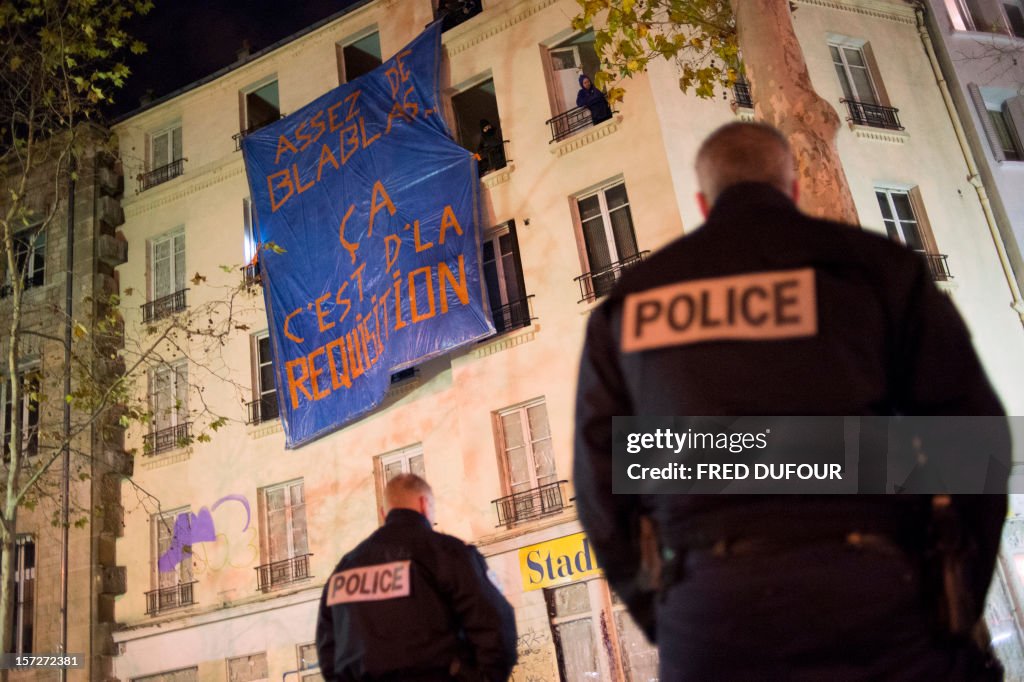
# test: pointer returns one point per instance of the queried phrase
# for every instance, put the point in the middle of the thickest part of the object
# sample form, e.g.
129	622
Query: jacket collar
406	516
746	199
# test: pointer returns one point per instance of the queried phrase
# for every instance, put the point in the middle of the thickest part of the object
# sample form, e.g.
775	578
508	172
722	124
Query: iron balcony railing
237	137
937	265
568	122
741	91
512	315
492	159
167	598
593	285
531	504
164	306
251	275
161	175
264	409
282	572
874	115
170	438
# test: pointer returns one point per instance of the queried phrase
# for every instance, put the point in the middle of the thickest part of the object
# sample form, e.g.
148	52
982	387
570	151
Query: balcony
512	315
937	265
167	598
170	438
237	137
492	159
264	409
741	95
568	122
277	573
164	306
160	175
530	504
454	12
251	275
873	115
593	285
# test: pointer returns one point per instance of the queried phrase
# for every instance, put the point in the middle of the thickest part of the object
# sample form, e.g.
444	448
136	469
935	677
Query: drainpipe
1017	303
65	480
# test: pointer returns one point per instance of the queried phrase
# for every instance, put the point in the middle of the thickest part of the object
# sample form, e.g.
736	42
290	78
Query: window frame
528	443
259	392
352	40
168	130
614	257
172	269
859	45
288	508
184	572
178	414
1005	130
243	98
493	236
22	603
255	655
28	411
29	259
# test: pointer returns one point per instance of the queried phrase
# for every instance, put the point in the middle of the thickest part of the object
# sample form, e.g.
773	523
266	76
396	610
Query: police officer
411	604
826	320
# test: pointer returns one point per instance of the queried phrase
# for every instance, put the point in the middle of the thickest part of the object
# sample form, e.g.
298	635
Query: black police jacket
886	342
412	601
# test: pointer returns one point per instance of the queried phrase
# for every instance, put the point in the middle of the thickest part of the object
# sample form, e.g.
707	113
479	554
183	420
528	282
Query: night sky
190	39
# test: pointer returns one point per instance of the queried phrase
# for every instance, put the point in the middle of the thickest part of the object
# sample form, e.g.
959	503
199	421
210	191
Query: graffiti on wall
191	530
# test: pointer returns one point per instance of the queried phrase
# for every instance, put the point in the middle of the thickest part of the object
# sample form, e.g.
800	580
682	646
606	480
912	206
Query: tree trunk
785	98
7	591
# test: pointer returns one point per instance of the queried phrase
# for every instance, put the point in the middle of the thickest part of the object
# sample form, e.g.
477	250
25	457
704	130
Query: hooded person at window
593	99
491	150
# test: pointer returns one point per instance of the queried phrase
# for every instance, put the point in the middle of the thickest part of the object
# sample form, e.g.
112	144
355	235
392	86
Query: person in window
410	604
593	99
491	150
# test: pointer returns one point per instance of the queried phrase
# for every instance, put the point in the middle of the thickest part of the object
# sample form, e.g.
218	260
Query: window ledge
880	134
402	389
498	177
507	340
264	429
586	136
166	458
995	38
744	113
567	515
948	286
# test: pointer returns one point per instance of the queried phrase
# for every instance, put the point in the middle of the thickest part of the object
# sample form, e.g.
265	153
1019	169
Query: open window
358	56
1001	113
264	406
906	222
503	272
259	105
479	124
863	93
567	62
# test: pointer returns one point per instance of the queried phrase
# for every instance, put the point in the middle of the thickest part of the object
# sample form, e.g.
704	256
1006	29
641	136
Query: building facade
228	556
97	459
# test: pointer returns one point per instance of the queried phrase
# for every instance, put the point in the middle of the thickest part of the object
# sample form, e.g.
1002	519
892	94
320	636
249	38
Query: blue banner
369	220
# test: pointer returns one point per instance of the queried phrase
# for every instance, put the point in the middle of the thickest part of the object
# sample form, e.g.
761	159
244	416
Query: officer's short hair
403	486
744	152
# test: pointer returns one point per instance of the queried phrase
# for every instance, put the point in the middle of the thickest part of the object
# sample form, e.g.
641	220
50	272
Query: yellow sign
557	562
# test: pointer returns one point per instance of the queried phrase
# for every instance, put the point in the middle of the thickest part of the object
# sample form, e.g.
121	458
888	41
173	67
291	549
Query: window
405	461
164	147
1009	143
172	562
286	545
454	12
26	411
854	77
567	62
23	617
585	640
1001	113
30	259
167	282
168	400
967	15
528	462
503	273
358	57
183	675
479	126
307	656
247	668
260	106
908	225
264	406
863	94
608	239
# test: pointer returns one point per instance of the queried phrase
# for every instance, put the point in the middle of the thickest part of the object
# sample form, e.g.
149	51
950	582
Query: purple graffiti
191	529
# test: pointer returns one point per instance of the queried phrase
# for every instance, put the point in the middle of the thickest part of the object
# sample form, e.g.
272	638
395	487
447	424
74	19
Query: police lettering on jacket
757	306
369	583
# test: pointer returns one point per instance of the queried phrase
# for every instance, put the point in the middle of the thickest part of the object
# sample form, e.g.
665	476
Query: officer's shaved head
409	491
744	152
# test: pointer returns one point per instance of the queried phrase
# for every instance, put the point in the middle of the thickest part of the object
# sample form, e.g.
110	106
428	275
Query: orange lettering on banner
461	288
285	180
753	307
343	301
416	238
332	122
349	135
353	109
349	246
323	324
339	379
314	373
375	207
448	219
413	308
362	130
317	123
391	256
287	320
298	182
283	145
358	275
397	111
297	383
326	156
